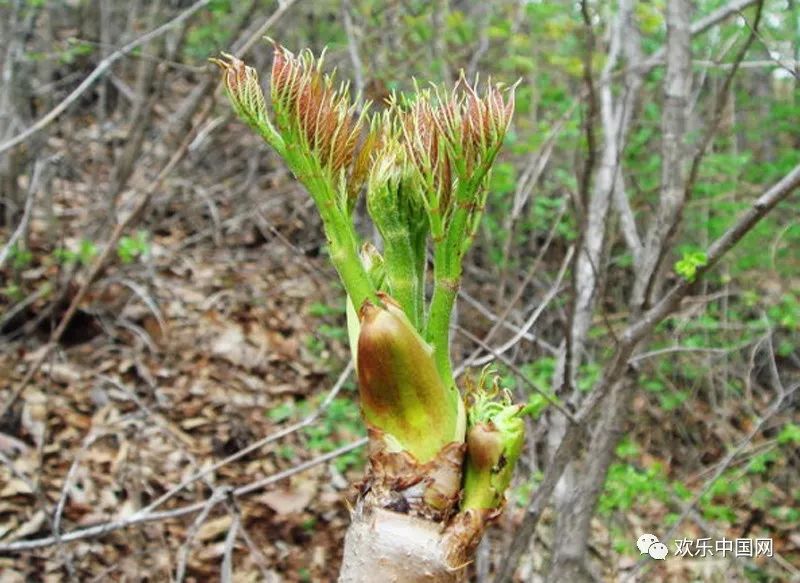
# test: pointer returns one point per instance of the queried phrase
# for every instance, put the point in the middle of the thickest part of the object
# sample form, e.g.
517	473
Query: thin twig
240	49
98	72
700	26
99	265
142	517
726	462
255	551
5	252
673	349
183	554
352	46
226	570
258	444
503	319
88	441
618	363
554	289
500	321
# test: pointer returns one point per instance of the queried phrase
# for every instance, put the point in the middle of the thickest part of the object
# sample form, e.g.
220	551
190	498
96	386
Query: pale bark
12	95
614	388
404	525
615	368
676	185
702	25
583	481
677	86
573	508
616	119
389	546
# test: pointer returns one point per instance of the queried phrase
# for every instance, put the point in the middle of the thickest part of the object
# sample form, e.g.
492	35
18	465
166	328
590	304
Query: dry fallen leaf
31	526
62	373
14	487
8	575
214	528
293	500
11	445
34	414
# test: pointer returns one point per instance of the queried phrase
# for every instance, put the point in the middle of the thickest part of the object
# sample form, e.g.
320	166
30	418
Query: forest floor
217	338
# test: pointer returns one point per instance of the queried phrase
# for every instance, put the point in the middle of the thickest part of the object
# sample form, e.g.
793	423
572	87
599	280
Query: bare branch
674	349
244	47
702	25
5	252
98	72
554	289
258	444
502	321
623	115
726	462
226	570
615	368
352	46
673	147
719	106
99	265
88	441
142	517
183	555
616	114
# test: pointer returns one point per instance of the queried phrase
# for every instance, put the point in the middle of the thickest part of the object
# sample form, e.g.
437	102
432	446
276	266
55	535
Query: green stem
344	255
448	253
339	229
268	133
478	489
404	280
419	239
446	275
438	332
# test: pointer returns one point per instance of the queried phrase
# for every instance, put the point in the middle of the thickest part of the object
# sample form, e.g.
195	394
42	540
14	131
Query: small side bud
495	437
373	263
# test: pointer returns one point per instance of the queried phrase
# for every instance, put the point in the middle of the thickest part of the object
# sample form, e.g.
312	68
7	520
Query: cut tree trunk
390	546
404	527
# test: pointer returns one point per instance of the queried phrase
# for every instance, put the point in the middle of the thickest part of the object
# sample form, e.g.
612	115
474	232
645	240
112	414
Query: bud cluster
317	115
425	165
244	92
452	139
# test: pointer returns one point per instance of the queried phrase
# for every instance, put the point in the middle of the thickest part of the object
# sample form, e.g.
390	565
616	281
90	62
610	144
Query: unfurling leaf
401	391
245	94
318	118
395	204
495	436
